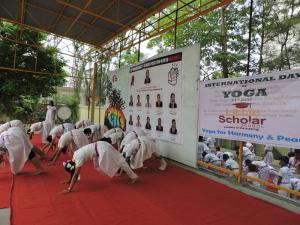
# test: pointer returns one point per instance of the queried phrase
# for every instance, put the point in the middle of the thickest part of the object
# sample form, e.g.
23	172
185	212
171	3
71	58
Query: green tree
129	57
20	91
114	96
279	34
221	36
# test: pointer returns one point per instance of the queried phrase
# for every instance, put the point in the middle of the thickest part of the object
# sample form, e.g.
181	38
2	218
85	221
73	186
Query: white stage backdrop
261	109
154	102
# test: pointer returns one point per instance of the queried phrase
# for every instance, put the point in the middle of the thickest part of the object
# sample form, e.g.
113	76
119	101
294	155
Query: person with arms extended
105	157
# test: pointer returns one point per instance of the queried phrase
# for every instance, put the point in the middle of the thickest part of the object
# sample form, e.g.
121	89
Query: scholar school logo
242	115
173	75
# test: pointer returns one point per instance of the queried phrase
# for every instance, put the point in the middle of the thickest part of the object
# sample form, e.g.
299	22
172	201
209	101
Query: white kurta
139	150
232	165
293	162
36	127
212	159
41	126
263	170
286	174
220	154
96	132
82	123
295	184
254	175
57	131
61	129
128	138
18	146
202	147
75	136
109	132
13	123
248	154
107	161
84	154
68	127
50	115
116	137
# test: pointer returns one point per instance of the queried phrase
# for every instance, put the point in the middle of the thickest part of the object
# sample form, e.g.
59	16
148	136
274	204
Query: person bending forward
105	157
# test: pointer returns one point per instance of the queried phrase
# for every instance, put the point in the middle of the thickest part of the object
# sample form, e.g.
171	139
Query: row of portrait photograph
148	126
148	103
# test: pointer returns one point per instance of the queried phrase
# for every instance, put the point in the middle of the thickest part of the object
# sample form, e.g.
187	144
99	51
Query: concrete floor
4	216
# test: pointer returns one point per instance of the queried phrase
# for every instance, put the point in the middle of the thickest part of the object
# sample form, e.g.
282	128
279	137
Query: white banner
260	109
154	102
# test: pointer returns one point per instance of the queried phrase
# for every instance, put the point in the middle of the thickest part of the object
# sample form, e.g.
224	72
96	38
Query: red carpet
6	179
173	197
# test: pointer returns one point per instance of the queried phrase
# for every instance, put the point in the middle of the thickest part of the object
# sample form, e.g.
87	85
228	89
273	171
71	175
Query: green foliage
274	42
20	91
129	57
206	31
114	96
27	109
276	35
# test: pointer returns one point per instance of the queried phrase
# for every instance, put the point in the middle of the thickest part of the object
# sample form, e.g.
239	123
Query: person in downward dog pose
75	137
106	160
15	142
139	150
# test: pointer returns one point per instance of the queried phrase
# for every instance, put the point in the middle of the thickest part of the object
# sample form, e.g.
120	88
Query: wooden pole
94	92
240	162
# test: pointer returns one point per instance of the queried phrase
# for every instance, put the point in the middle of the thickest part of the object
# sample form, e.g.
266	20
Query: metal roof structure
111	26
100	23
89	21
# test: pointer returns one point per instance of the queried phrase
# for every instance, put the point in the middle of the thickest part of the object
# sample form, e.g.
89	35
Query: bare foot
132	181
37	172
163	165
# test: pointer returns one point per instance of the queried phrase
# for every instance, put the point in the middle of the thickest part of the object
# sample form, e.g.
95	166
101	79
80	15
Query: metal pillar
176	20
139	48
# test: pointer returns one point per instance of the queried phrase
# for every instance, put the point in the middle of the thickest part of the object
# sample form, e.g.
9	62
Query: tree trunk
284	54
224	61
260	65
286	51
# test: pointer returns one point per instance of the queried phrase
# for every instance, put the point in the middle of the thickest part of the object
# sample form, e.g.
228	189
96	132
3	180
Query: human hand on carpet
64	192
2	162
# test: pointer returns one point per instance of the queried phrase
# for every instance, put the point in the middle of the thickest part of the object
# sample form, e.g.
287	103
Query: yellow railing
240	175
